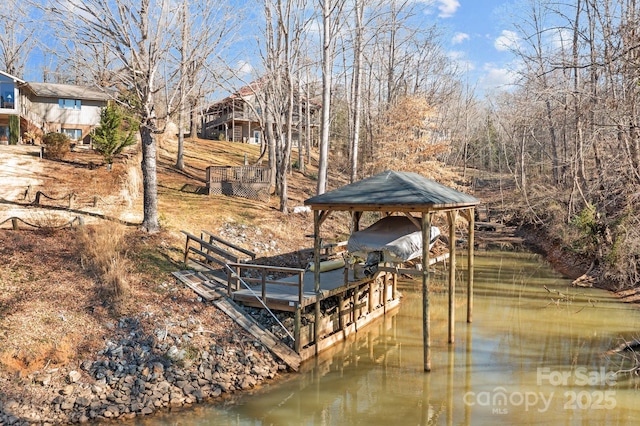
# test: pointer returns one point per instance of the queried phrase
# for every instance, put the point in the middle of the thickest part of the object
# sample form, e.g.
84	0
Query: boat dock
352	299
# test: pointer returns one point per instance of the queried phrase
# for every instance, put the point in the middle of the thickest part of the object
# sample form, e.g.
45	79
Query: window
69	103
7	94
73	134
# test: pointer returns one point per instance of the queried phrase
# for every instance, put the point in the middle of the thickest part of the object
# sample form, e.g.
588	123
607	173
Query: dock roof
393	191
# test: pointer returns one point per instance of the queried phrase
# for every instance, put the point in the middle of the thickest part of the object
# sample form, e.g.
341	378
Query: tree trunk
327	64
300	124
149	179
180	155
357	90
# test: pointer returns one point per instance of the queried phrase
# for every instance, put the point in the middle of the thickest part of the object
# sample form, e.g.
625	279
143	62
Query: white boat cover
397	237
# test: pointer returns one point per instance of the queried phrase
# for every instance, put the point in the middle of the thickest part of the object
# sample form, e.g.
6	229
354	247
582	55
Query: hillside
76	300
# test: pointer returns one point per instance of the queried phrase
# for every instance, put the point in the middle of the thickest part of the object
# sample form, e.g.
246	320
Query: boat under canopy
395	239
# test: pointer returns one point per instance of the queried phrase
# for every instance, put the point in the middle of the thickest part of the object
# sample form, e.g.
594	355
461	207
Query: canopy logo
500	400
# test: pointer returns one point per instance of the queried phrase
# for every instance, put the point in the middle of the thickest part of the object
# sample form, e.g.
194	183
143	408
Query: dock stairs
208	255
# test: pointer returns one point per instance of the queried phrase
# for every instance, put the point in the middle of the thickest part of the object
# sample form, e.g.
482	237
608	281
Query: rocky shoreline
137	374
148	364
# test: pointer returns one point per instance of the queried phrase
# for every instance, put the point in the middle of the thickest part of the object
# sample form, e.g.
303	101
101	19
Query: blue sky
477	37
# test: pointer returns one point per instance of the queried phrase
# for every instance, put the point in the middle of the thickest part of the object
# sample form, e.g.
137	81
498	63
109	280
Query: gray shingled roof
394	190
52	90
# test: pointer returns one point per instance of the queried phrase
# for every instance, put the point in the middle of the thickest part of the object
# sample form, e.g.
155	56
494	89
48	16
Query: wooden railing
241	271
238	272
210	250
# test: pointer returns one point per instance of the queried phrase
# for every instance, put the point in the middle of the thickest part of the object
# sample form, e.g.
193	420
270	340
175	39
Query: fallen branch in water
630	345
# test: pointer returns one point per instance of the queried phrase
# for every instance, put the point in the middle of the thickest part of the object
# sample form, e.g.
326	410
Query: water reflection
534	355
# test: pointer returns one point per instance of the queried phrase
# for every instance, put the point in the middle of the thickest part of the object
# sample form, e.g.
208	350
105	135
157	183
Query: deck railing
264	272
242	181
235	275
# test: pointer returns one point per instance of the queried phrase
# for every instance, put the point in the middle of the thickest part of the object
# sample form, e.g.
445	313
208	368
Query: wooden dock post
316	277
470	255
452	215
296	329
263	284
426	236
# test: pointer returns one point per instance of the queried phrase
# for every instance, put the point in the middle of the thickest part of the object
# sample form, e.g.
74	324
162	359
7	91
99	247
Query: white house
48	107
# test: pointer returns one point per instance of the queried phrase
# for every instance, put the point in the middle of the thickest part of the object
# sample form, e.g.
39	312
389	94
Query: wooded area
566	131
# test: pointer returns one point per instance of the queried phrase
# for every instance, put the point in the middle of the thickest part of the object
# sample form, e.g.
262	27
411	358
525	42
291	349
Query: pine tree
115	133
14	129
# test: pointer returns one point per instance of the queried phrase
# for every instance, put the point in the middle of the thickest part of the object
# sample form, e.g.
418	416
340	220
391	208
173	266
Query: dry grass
101	251
43	297
60	290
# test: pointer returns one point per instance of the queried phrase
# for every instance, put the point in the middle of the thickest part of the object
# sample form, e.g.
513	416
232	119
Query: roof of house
54	90
393	191
11	77
249	90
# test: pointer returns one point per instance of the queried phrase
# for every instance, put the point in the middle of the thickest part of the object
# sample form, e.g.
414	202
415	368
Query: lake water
531	356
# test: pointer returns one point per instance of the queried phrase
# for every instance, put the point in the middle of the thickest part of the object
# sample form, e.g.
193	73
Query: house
49	107
238	118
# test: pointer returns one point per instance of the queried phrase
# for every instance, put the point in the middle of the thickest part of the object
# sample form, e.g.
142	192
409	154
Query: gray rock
67	390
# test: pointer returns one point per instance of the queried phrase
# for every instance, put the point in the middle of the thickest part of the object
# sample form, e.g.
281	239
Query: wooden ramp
209	288
206	286
282	351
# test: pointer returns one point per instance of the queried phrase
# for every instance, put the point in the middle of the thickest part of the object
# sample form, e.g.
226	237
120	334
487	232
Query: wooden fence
242	181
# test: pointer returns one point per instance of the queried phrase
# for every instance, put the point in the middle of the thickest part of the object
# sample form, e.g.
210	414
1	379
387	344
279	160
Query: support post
452	215
186	252
316	276
370	299
296	329
426	237
470	255
394	287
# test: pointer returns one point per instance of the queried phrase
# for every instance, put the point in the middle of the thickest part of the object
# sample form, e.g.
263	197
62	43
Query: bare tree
330	10
278	91
17	36
138	35
200	44
358	53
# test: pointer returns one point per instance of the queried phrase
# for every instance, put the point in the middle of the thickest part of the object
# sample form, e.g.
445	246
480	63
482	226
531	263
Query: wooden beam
275	345
426	236
413	219
451	218
317	222
212	238
324	214
470	262
355	221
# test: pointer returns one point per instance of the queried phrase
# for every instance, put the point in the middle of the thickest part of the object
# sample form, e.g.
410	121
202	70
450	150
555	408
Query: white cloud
459	38
244	68
448	8
497	78
506	41
561	38
461	60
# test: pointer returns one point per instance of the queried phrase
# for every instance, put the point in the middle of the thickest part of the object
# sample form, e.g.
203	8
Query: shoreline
147	365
